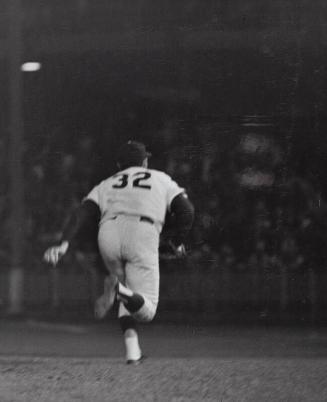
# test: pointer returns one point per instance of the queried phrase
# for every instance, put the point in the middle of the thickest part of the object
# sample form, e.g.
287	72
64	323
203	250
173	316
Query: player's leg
141	290
134	302
104	303
136	306
109	247
128	326
141	271
131	300
140	294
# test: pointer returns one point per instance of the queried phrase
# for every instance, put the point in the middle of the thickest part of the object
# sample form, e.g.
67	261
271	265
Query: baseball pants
129	248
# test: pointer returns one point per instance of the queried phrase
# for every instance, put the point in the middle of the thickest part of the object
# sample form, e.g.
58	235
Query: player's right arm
87	213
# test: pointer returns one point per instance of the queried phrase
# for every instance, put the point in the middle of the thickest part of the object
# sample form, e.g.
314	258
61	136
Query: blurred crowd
261	228
236	227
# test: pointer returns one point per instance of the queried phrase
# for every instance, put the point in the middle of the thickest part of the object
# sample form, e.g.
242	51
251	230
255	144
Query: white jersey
136	191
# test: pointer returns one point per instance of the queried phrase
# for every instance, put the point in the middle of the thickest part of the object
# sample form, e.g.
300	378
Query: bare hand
53	254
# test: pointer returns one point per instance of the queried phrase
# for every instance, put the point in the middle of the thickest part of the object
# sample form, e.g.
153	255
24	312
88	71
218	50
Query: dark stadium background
230	97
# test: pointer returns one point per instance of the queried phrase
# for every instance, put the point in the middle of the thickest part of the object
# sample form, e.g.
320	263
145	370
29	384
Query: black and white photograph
163	200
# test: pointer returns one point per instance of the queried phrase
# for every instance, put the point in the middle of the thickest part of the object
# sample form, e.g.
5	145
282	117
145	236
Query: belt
142	219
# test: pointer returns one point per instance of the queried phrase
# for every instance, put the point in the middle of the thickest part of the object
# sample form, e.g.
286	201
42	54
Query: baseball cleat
136	362
104	303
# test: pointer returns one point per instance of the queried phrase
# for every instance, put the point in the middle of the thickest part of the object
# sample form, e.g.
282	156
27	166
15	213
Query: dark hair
132	153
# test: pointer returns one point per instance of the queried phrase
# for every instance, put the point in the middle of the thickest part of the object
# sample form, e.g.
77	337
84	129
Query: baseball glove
169	251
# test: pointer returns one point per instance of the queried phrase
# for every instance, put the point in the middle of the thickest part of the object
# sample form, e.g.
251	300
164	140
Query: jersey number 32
139	180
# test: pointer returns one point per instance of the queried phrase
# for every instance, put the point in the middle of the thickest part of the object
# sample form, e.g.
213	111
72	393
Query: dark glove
168	250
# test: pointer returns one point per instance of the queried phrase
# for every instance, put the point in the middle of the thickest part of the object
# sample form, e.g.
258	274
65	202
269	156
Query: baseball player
131	207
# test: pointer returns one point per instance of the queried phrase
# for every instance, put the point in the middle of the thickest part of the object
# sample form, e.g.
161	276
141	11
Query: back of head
133	153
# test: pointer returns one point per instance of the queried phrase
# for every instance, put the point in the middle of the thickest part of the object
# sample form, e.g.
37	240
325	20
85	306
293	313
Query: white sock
133	350
124	291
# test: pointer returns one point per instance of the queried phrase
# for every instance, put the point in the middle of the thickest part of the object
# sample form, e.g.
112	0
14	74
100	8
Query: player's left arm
183	210
87	213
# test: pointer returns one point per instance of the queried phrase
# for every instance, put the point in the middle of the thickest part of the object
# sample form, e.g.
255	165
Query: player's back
136	191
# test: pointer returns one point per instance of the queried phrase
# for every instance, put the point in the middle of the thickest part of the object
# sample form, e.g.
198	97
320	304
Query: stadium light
31	66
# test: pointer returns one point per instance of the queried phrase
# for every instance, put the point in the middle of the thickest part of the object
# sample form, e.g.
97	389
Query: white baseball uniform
133	205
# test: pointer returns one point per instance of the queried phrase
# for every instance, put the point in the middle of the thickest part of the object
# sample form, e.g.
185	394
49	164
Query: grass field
62	362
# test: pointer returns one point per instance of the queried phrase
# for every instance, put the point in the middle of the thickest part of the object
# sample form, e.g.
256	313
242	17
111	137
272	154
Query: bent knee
143	317
146	313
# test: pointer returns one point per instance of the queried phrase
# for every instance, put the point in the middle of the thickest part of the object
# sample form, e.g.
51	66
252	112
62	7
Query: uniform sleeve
183	210
93	195
88	213
173	190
